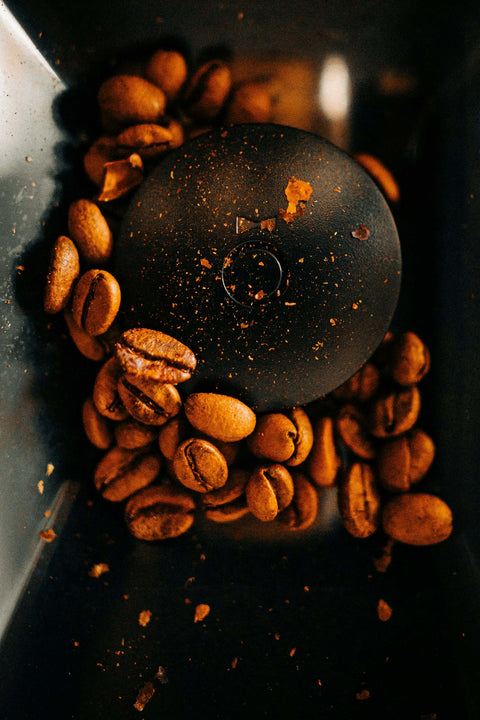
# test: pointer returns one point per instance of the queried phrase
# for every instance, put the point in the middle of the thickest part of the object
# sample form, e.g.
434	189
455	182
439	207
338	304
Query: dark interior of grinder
270	253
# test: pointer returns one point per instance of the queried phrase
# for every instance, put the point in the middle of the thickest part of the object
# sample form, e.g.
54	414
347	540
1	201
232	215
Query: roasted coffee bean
229	450
175	129
405	460
323	462
303	440
220	416
149	402
155	356
199	465
120	473
96	426
207	91
234	488
90	347
102	151
417	519
269	490
105	391
96	301
63	270
250	102
382	176
90	232
171	435
359	501
159	512
273	437
229	512
150	141
395	413
303	509
129	100
131	434
351	427
361	387
410	359
168	69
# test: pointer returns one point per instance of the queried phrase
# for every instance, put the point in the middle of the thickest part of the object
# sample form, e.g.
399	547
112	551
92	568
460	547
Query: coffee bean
303	440
351	427
359	501
96	301
90	232
403	461
150	141
129	100
90	347
167	69
417	519
229	512
220	416
273	437
155	356
149	402
171	435
63	270
96	426
199	465
105	391
121	177
250	102
121	472
410	360
159	512
395	413
323	462
229	450
207	91
361	387
228	503
101	152
131	434
269	490
303	509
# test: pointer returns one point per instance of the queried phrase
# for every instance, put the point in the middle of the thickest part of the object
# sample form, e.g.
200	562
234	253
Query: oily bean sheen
168	69
63	270
105	391
90	231
131	434
404	461
351	426
220	416
302	511
159	512
303	440
273	438
150	141
323	461
121	472
359	501
269	490
96	301
410	359
149	402
200	466
155	356
128	100
417	519
395	413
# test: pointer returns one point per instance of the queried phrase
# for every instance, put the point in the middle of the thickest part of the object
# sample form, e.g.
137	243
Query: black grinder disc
279	307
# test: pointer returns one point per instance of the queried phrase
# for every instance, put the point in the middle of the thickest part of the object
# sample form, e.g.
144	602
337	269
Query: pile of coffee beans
167	457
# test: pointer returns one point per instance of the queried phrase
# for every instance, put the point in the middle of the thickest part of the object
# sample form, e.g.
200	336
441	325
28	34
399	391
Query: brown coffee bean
323	461
90	232
404	461
155	356
63	270
199	465
176	131
417	519
129	100
150	141
90	347
410	359
303	509
351	427
171	435
168	69
96	301
103	151
96	426
121	472
273	437
361	387
233	489
251	102
229	450
220	416
207	91
303	440
159	512
269	490
131	434
149	402
229	512
395	413
359	501
105	391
